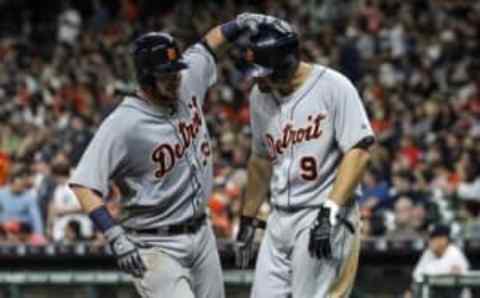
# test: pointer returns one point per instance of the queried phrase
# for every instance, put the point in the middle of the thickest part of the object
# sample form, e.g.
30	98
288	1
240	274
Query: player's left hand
244	248
320	246
126	252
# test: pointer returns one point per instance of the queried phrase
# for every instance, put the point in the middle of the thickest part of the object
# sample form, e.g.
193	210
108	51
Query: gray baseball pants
285	268
182	266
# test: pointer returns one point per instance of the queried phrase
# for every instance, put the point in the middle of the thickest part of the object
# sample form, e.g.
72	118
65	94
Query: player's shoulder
334	78
121	118
336	87
259	101
196	51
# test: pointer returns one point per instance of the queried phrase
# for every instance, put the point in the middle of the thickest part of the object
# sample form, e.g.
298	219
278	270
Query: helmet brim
170	67
257	71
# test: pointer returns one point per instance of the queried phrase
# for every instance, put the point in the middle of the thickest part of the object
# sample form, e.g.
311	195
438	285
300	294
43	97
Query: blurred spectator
19	211
221	221
69	25
404	227
374	192
4	168
44	183
441	257
64	207
72	233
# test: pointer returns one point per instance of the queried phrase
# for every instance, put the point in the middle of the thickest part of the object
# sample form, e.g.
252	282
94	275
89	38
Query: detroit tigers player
310	146
155	146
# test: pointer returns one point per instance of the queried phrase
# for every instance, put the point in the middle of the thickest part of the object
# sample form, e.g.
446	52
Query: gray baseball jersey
306	133
305	136
160	157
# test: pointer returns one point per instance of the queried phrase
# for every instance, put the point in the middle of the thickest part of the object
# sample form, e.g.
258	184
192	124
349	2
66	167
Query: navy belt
292	209
190	226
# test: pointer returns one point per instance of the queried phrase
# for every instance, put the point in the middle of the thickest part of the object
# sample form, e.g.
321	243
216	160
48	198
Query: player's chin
169	97
264	87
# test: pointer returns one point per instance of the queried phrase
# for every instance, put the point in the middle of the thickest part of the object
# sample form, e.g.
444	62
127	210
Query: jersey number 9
308	166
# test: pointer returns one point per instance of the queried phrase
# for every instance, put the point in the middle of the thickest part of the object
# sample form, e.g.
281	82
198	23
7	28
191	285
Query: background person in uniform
441	257
155	147
310	144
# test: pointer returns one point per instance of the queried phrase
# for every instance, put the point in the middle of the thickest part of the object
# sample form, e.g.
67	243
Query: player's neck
149	98
299	77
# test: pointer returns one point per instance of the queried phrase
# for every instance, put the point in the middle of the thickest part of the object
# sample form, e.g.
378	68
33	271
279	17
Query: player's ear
147	89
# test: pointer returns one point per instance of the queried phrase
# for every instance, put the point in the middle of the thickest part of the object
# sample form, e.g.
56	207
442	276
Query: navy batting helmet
155	53
272	51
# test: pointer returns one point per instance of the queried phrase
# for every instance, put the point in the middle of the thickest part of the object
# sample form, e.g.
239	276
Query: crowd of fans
413	62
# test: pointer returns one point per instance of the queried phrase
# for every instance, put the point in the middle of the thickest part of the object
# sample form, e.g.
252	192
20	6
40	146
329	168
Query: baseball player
155	147
310	144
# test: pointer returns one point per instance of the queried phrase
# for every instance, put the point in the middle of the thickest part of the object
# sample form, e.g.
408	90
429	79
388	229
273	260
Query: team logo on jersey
291	136
166	155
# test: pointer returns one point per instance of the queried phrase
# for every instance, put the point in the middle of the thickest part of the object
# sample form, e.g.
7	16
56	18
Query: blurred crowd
64	67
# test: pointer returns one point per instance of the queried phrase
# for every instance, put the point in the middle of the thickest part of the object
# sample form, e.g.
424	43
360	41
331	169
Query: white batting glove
334	211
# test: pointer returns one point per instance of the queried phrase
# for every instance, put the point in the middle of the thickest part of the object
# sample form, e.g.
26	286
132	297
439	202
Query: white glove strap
334	211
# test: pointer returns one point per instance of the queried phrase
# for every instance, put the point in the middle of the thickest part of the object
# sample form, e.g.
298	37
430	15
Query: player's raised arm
229	32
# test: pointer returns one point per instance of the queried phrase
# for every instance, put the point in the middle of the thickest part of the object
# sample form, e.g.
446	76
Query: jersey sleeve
201	66
102	159
351	121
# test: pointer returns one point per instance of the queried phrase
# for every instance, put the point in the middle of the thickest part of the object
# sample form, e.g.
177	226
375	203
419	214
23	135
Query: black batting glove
245	249
126	252
329	216
320	246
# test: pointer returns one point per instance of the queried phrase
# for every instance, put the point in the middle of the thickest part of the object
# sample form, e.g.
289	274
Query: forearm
259	173
349	175
223	35
88	199
124	249
215	39
92	204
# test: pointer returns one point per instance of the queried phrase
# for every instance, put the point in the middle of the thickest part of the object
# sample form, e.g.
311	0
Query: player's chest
300	126
164	144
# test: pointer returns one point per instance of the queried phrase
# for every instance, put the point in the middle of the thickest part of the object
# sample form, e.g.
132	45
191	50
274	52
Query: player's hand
251	22
244	248
126	252
320	245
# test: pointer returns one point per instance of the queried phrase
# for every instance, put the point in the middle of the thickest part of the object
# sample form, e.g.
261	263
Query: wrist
102	219
332	205
231	30
334	209
113	233
252	221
